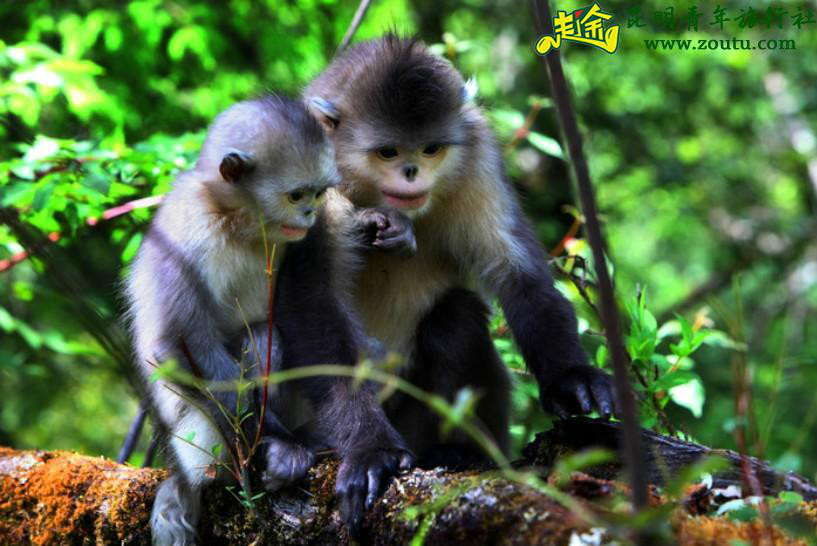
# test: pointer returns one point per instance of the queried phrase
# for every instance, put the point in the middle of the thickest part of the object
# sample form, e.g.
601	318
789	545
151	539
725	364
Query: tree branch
65	498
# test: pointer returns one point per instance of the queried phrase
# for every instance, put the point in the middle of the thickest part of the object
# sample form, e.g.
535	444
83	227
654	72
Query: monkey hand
387	229
287	462
577	391
362	477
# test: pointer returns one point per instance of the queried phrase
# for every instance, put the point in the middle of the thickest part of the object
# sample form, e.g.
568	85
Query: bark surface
62	498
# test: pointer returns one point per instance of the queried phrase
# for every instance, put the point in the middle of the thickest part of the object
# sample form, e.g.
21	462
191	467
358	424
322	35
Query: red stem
570	234
268	364
108	214
193	366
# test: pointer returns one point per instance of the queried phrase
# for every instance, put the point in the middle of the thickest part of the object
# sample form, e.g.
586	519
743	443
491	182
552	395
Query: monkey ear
470	90
326	112
234	165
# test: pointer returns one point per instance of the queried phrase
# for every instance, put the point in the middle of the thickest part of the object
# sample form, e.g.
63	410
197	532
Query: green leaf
790	497
690	395
545	144
789	462
580	461
131	248
601	356
674	379
7	321
506	120
41	197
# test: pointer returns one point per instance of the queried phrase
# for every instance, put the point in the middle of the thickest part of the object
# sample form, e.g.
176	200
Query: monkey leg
192	439
175	513
453	349
286	458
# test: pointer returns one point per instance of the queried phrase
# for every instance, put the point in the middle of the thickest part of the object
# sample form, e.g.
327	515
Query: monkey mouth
293	232
406	200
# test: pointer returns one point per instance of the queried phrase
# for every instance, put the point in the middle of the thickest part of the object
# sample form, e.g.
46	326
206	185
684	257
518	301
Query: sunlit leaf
545	144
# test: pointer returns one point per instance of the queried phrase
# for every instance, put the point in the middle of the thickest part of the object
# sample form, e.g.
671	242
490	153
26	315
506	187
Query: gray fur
199	279
175	513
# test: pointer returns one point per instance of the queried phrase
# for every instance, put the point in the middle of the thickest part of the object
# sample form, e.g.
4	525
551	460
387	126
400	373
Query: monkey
197	294
408	135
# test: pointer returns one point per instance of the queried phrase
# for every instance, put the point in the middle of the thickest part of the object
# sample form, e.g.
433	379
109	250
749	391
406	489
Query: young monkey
407	135
200	278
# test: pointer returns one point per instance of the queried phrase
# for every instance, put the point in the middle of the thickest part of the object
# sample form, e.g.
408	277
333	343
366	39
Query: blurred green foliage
705	164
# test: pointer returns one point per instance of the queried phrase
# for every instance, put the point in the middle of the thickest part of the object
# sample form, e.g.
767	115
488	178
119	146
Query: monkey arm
380	228
543	322
318	326
189	332
250	347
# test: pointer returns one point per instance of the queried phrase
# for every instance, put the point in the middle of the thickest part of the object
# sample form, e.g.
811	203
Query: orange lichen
809	510
711	531
62	499
58	497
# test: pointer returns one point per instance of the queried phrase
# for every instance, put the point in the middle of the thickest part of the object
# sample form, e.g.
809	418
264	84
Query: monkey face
292	202
396	162
406	175
299	207
283	194
289	206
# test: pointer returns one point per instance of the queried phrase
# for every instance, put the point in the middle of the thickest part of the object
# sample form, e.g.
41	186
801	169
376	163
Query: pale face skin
301	206
407	176
288	199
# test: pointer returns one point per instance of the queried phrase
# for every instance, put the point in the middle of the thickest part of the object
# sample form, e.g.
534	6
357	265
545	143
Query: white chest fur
237	279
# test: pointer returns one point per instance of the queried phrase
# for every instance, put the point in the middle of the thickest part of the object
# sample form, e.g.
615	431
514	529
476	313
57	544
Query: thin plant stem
360	13
633	452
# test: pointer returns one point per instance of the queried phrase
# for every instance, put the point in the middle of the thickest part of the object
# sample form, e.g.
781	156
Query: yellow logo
585	26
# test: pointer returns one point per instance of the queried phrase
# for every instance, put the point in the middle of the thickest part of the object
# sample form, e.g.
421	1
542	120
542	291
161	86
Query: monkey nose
410	171
308	211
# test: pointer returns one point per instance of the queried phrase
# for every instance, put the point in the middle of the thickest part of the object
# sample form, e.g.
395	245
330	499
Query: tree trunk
61	498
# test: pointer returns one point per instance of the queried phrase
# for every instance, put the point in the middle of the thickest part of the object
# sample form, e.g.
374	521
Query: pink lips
406	201
292	232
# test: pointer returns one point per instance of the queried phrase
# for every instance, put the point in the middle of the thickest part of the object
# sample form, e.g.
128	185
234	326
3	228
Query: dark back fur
391	79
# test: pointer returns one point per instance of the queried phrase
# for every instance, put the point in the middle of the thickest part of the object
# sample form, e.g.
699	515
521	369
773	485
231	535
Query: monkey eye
320	193
296	196
386	153
432	149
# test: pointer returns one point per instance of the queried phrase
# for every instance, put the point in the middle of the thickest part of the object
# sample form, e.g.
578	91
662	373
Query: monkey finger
373	220
556	409
406	461
351	499
395	234
582	397
612	397
391	229
602	390
603	399
394	243
375	476
401	243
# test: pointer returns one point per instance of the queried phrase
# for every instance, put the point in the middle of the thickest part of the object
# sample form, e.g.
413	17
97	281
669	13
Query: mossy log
62	498
665	457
